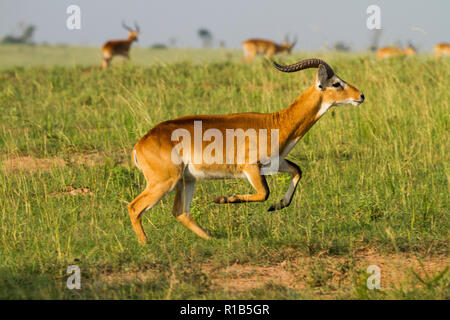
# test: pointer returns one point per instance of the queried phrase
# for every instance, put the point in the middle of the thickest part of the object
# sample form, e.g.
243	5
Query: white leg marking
287	168
290	192
135	160
187	194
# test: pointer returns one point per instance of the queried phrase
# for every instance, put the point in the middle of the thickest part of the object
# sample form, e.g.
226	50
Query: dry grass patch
69	190
31	164
123	278
87	159
334	272
329	277
239	278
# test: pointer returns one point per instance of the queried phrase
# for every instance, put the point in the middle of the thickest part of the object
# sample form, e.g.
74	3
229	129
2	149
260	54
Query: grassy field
18	55
374	191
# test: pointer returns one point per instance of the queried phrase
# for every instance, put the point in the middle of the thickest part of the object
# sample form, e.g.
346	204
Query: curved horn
126	27
305	64
294	42
137	26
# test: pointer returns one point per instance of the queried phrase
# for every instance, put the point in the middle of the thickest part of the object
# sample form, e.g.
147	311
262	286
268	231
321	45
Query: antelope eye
336	84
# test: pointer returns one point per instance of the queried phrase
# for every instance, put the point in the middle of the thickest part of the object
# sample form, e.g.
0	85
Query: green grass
375	176
25	55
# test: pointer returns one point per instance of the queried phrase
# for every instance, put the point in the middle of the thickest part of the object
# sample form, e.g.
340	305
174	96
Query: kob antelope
389	52
165	166
119	47
267	48
441	49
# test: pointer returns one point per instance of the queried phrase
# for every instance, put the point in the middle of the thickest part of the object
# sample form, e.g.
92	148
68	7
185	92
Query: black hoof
278	206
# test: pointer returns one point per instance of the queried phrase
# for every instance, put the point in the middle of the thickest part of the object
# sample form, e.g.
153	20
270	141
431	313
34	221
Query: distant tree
27	35
374	42
172	41
25	38
222	44
206	36
342	46
158	46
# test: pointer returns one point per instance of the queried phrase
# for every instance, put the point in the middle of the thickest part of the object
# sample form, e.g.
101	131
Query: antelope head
132	33
332	90
288	45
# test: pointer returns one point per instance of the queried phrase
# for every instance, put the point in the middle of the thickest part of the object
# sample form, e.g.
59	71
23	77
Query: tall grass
375	175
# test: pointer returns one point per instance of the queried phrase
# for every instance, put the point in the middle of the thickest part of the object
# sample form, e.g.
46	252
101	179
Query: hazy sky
317	23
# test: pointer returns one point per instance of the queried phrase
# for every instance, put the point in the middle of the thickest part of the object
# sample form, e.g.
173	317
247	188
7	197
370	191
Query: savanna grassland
374	190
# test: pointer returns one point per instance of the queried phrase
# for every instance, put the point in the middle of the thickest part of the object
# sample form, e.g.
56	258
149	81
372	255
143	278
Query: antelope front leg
258	182
288	167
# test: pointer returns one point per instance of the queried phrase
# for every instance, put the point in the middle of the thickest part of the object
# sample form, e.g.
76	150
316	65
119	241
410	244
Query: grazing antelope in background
389	52
267	48
441	49
165	166
119	47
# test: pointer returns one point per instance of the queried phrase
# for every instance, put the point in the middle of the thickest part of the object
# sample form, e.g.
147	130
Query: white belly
192	172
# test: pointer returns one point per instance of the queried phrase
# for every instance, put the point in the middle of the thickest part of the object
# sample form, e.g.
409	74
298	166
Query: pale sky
317	23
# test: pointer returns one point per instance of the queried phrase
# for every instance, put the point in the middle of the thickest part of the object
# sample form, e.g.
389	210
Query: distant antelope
119	47
441	49
389	52
165	166
267	48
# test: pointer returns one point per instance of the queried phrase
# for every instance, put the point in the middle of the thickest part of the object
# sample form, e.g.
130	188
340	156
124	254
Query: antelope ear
322	77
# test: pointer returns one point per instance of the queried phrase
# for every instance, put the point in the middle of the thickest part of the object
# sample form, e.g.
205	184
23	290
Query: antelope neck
300	116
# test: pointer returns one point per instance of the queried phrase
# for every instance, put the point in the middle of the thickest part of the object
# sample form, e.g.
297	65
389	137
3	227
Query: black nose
362	97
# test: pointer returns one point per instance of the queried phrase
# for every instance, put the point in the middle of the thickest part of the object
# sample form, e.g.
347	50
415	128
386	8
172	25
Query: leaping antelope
441	49
166	166
389	52
267	48
119	47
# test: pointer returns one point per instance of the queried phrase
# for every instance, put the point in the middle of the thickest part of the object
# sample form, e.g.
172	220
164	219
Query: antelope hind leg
146	200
